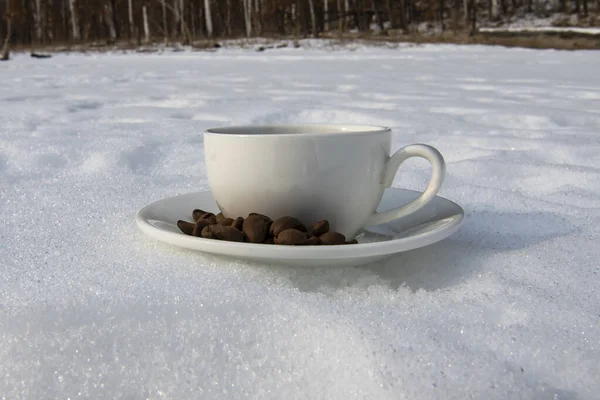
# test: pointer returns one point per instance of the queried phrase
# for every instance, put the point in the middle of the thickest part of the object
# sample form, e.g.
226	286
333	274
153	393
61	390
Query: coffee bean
267	219
197	214
220	232
220	217
185	227
224	221
238	223
210	217
207	233
332	238
313	241
320	228
229	233
291	237
199	226
256	229
285	223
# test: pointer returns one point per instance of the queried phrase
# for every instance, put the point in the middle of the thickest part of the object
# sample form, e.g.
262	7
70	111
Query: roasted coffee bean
229	233
285	223
267	219
313	241
332	238
291	237
207	232
185	227
199	226
238	223
210	217
220	232
353	241
220	217
197	214
256	229
225	221
320	228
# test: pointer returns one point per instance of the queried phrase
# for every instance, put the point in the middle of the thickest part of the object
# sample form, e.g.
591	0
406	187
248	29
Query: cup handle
435	182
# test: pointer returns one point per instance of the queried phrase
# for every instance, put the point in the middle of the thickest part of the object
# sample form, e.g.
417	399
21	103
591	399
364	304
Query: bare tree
74	20
164	15
5	55
346	11
493	9
313	19
37	16
130	11
325	15
110	23
248	16
228	18
208	17
146	27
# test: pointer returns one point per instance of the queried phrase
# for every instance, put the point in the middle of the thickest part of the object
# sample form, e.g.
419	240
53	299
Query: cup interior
296	129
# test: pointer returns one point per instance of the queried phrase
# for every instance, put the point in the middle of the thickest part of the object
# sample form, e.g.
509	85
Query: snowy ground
507	308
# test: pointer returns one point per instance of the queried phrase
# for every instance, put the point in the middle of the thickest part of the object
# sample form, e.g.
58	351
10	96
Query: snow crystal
506	308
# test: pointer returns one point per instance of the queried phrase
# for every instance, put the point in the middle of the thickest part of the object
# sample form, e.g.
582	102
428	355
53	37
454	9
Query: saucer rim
360	250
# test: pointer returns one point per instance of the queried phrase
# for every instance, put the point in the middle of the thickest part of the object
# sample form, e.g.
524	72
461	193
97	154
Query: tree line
76	21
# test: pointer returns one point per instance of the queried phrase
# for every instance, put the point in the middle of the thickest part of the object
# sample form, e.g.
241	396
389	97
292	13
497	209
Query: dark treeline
76	21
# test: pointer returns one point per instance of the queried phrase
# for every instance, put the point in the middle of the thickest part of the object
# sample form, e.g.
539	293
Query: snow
541	29
506	308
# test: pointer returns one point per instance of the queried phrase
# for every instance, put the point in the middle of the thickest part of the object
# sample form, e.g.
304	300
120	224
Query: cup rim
296	130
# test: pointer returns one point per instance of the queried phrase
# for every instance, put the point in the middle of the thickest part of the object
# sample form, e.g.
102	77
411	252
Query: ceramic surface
311	172
433	222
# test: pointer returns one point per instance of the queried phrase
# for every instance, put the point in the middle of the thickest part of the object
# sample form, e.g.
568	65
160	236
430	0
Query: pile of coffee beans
258	228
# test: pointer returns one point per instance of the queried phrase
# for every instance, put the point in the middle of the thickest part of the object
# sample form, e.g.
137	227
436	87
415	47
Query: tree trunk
473	11
529	4
390	14
346	11
403	22
50	24
182	18
578	7
164	15
130	15
112	32
339	16
494	10
207	15
442	7
455	15
176	18
325	15
296	19
193	19
313	19
248	16
228	18
257	17
146	27
74	21
585	8
5	54
37	16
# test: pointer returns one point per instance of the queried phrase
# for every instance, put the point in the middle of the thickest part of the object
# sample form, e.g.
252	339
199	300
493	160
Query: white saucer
436	221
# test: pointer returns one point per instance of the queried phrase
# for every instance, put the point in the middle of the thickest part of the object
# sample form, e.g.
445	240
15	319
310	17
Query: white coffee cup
312	172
